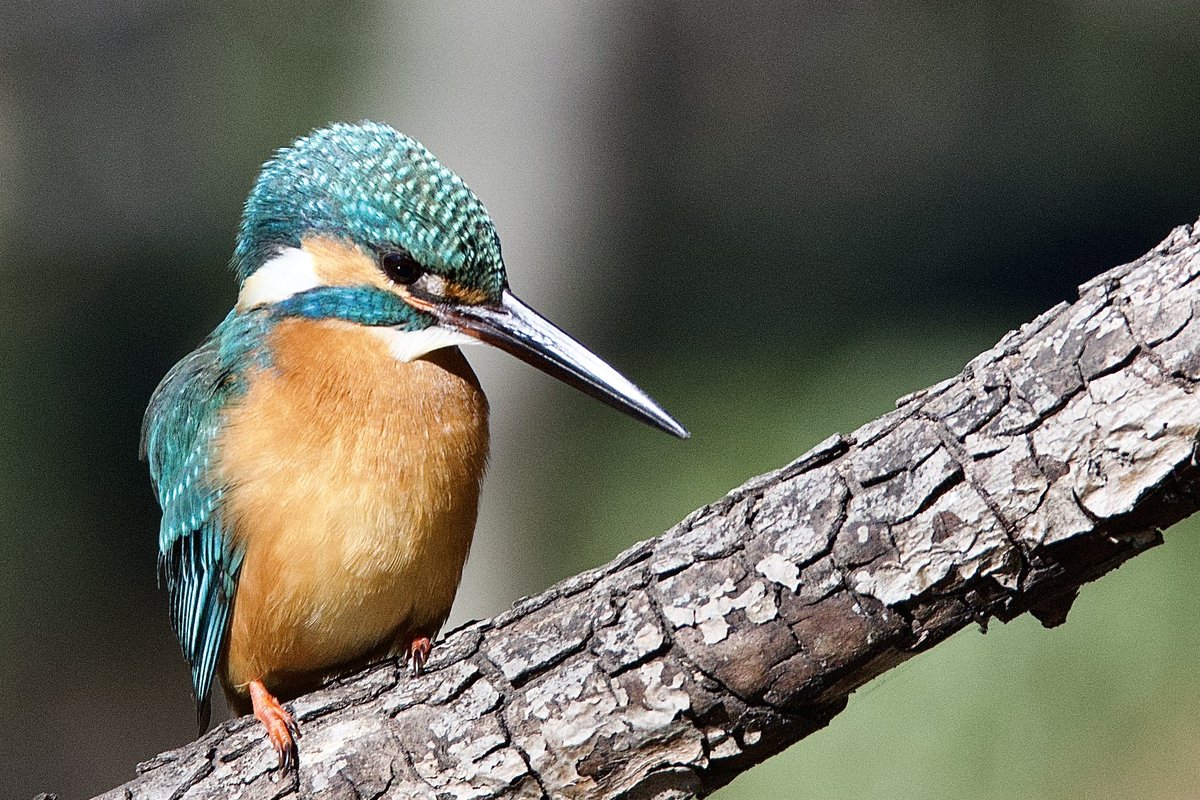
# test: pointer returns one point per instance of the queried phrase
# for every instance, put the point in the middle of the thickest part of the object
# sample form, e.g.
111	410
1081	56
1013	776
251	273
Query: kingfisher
318	458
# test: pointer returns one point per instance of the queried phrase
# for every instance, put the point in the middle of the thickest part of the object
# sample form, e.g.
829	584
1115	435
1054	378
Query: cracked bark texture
1052	458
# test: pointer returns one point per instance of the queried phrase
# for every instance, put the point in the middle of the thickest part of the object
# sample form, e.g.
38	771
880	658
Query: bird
318	457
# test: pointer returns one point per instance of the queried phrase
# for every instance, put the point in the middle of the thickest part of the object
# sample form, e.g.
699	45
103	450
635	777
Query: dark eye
400	267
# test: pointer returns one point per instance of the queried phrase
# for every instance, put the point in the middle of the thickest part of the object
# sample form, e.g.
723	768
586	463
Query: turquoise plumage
195	556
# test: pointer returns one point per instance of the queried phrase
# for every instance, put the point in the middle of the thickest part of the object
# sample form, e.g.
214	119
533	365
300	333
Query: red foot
281	727
418	653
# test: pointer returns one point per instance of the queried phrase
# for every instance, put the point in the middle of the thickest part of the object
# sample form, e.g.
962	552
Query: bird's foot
281	727
418	653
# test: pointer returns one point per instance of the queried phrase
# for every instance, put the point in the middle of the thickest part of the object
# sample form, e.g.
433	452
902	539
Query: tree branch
1054	456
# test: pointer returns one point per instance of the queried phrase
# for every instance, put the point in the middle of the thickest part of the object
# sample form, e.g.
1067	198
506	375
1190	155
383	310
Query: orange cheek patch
339	263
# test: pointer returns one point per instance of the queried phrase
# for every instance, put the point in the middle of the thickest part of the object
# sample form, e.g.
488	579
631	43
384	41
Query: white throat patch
287	274
411	345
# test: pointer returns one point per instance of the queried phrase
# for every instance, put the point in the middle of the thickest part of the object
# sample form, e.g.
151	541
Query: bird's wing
195	553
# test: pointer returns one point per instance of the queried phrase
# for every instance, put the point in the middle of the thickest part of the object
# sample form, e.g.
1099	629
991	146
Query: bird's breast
352	483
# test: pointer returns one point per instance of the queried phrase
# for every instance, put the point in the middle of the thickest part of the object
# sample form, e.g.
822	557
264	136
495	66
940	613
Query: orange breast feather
354	482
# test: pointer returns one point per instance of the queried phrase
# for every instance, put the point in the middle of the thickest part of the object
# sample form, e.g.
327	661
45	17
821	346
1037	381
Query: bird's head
361	223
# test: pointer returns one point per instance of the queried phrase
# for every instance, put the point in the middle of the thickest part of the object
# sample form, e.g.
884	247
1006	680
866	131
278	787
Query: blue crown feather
375	186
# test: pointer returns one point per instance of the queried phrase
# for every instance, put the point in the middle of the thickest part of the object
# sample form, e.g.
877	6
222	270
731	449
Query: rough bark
1054	456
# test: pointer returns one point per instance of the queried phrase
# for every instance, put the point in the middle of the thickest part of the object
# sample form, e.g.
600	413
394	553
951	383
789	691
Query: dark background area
776	220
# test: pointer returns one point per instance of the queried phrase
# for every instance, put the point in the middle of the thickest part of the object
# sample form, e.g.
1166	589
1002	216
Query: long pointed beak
517	329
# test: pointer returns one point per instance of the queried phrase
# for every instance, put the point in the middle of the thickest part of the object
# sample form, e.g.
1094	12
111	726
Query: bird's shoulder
184	415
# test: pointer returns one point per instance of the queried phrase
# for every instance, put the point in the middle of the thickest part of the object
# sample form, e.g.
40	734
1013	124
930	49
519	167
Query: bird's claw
418	653
282	729
283	732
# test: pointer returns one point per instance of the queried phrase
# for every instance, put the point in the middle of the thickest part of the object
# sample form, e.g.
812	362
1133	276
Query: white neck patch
411	345
287	274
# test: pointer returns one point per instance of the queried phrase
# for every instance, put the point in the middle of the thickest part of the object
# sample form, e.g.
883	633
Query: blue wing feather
179	434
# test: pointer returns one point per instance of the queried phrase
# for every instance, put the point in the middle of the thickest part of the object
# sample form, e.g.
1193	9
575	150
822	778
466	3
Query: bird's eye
400	267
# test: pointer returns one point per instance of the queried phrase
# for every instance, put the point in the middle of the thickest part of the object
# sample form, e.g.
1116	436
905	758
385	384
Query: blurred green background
776	220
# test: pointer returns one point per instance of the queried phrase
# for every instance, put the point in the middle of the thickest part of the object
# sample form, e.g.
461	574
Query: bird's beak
516	328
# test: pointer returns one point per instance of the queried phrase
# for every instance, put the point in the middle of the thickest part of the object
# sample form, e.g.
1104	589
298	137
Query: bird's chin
410	345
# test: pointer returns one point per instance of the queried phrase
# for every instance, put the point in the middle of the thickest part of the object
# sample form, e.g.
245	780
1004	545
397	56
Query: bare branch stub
1055	456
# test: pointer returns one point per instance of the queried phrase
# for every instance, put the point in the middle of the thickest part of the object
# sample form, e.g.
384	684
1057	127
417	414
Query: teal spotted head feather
378	188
